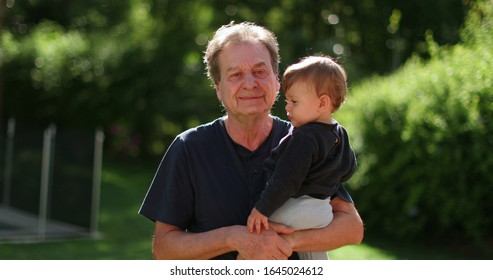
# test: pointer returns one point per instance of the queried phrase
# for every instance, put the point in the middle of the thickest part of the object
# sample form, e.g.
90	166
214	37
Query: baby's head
326	76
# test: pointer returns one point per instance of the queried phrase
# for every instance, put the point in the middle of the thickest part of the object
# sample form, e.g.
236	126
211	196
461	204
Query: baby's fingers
265	223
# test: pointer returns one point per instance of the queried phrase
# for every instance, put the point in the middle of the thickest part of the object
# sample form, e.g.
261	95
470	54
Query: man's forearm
177	244
173	243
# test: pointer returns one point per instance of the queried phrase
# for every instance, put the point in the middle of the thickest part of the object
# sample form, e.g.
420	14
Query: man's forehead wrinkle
233	68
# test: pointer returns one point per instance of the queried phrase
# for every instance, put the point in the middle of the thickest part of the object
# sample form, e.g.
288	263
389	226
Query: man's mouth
250	97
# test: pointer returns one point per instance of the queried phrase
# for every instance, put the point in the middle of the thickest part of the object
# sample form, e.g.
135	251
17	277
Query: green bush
424	140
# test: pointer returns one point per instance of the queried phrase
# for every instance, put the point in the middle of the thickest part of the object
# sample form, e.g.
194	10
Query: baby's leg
304	212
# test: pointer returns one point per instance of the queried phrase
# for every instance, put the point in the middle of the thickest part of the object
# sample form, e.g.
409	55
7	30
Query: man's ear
278	87
218	92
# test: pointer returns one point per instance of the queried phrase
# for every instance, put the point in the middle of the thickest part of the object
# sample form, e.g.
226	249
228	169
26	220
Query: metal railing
47	179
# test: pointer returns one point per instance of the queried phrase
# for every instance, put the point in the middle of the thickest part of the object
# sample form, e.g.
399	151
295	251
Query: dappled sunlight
361	252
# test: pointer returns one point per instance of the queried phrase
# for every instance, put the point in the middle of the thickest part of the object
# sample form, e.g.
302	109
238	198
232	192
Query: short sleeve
344	194
170	196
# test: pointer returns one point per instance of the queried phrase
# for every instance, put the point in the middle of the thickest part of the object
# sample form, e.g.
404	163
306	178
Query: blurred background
419	112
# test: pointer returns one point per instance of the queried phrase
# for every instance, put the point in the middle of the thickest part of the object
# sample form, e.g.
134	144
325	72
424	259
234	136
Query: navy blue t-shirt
206	181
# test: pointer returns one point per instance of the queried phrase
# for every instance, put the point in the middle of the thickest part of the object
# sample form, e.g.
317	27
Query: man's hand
266	245
280	228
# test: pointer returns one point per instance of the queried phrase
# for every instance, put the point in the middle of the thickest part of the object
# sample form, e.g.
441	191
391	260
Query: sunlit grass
360	252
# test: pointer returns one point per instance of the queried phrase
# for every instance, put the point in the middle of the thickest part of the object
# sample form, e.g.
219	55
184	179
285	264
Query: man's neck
249	132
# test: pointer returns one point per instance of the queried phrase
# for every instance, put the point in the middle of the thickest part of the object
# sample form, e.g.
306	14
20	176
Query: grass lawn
127	235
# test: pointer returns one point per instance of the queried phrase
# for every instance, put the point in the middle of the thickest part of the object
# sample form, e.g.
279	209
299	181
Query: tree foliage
423	138
135	67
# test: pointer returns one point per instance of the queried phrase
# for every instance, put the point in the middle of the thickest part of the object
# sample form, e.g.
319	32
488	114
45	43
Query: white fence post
96	181
48	143
7	180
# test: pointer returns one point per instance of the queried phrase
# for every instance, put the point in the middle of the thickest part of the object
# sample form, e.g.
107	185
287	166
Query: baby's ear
325	103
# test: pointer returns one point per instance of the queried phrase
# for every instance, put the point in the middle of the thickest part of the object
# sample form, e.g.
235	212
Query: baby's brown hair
323	73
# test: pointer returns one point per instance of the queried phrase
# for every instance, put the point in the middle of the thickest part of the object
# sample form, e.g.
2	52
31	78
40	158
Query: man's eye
261	73
235	76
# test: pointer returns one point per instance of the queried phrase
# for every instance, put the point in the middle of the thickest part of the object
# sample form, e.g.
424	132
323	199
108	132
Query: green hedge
424	140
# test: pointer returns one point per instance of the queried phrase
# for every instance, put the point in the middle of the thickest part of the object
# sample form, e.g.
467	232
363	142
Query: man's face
248	84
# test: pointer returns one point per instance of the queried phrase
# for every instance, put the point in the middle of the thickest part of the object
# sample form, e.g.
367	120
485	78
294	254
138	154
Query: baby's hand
256	220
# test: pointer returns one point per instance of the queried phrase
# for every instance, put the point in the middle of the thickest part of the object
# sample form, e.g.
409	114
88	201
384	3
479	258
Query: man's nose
250	81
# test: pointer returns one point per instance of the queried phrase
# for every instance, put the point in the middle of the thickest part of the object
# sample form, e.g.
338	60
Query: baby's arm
256	220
